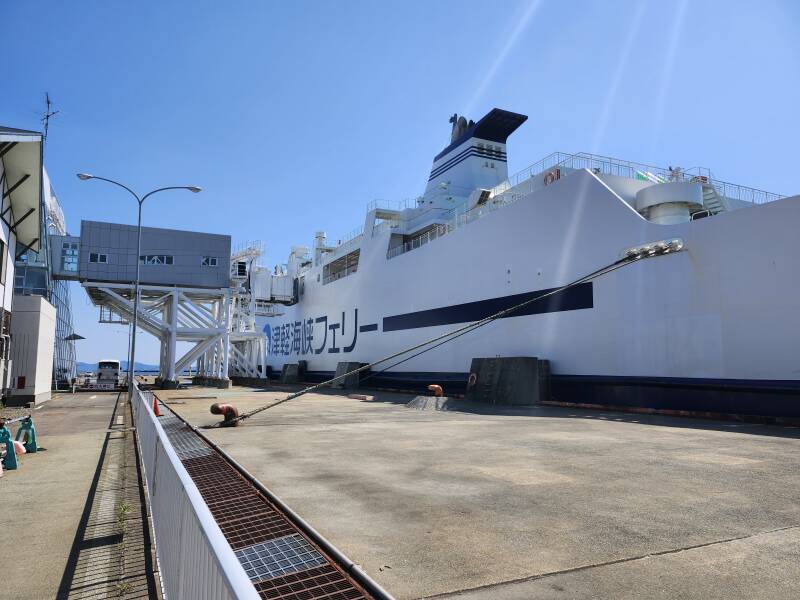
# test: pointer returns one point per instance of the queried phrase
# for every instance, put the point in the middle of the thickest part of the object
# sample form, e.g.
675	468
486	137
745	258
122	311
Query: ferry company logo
315	336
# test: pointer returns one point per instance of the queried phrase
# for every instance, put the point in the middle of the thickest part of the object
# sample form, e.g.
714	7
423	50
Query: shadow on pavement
111	551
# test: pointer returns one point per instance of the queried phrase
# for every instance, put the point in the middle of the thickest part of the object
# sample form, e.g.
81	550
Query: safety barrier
25	438
195	560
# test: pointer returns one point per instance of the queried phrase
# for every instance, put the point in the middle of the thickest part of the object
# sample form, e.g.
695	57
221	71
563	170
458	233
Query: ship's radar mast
460	126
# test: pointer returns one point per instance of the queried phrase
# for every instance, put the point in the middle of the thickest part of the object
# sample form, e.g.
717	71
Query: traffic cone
156	411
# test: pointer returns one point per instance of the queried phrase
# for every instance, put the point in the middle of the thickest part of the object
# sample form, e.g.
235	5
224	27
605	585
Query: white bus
108	374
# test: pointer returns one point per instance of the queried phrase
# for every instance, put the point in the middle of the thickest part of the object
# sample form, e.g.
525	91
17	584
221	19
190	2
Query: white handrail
633	170
195	560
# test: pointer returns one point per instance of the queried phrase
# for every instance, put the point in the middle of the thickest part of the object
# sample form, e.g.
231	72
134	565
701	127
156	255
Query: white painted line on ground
92	397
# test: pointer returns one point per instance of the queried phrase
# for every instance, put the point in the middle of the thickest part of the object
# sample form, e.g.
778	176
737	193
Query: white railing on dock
195	560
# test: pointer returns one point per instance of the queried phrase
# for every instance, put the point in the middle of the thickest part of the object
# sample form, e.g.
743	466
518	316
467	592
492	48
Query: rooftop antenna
49	112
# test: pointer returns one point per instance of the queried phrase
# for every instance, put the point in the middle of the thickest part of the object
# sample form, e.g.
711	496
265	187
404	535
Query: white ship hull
714	327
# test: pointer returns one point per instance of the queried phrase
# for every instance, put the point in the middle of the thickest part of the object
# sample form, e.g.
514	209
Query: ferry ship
713	328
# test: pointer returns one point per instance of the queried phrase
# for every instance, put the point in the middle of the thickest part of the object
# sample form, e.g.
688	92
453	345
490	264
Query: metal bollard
229	413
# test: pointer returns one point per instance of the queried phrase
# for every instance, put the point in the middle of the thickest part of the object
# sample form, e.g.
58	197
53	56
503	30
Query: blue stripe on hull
574	298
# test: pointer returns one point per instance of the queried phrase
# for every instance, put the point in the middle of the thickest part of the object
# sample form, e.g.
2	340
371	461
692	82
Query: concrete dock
75	524
529	503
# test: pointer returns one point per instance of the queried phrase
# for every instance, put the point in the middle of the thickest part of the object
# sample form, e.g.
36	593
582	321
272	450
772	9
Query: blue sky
292	116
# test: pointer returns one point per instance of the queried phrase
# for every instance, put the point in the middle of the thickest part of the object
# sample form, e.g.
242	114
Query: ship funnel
475	158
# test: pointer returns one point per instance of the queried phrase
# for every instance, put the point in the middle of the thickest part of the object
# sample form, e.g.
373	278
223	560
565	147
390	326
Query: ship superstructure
711	328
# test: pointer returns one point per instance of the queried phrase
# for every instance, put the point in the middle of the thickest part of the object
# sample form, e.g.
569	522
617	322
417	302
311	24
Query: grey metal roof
14	130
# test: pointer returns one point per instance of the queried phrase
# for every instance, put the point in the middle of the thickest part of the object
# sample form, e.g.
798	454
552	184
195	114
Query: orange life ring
551	176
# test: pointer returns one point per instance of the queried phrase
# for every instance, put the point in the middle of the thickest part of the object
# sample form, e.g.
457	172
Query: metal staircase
712	201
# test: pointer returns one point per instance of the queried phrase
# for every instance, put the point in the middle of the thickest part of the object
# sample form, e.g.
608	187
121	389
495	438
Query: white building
33	276
33	324
21	187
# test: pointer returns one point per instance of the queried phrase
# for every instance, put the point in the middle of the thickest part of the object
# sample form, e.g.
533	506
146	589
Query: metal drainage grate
319	582
254	529
238	508
243	516
186	446
280	556
281	562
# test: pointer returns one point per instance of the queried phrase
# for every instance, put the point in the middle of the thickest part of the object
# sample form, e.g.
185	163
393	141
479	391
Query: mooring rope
449	336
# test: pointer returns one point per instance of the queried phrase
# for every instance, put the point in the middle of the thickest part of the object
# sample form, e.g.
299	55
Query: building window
155	259
69	257
94	257
209	261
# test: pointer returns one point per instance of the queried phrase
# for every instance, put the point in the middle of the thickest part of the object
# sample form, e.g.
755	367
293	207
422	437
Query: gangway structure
258	292
186	294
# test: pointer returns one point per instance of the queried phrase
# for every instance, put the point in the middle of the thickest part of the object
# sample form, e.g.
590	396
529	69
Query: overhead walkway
187	293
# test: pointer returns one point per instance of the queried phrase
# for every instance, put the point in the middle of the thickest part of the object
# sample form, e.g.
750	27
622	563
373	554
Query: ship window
241	269
69	257
155	259
94	257
209	261
341	267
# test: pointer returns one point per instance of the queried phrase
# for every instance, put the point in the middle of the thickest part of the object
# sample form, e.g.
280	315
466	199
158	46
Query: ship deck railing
393	205
339	274
606	165
430	235
345	244
514	188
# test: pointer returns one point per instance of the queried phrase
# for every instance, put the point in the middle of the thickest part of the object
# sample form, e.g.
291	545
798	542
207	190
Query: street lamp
140	200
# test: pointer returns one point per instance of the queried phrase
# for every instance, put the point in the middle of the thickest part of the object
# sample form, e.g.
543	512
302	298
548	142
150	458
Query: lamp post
140	201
